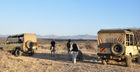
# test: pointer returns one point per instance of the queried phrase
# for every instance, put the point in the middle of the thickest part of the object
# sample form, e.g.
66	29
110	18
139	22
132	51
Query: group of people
74	49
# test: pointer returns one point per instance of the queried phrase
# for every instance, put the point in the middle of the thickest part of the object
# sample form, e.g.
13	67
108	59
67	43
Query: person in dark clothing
68	46
75	47
53	43
52	48
75	52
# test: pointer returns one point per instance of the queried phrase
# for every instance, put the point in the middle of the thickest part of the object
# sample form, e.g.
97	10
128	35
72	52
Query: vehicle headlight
35	46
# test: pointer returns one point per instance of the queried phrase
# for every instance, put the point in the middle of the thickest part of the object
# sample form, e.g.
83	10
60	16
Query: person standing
75	52
52	48
68	46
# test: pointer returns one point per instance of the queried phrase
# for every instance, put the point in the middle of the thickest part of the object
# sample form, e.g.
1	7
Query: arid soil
42	61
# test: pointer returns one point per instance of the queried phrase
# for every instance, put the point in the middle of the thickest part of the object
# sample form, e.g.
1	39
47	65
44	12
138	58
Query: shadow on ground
91	59
66	58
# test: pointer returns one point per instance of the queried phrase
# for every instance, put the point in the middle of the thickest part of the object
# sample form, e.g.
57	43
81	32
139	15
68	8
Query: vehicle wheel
104	62
118	49
128	61
31	53
137	60
18	52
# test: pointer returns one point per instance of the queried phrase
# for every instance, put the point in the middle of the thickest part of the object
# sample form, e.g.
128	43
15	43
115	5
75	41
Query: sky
67	17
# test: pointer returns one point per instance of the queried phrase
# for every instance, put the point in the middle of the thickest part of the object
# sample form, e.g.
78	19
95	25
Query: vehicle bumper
110	56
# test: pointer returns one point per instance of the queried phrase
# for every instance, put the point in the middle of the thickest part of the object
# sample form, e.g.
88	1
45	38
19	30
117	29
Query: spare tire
29	44
118	49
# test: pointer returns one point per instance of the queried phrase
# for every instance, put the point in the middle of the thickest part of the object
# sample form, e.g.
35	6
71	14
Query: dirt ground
42	61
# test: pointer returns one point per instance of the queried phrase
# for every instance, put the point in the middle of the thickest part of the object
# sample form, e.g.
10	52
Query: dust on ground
42	61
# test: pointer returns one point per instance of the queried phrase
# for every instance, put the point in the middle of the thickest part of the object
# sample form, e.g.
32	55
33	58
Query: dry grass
43	62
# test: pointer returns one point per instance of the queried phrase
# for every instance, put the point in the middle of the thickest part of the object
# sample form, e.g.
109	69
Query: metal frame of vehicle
25	43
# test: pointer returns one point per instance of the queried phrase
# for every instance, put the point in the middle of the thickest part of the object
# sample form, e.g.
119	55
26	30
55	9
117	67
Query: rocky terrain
42	61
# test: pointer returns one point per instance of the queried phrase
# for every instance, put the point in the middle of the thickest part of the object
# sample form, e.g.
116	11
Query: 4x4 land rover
119	45
22	43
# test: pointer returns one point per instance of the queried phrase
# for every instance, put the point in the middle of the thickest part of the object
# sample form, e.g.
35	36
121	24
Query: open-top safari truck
119	45
21	43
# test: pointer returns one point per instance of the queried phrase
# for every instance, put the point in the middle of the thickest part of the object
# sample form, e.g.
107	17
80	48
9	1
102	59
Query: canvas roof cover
18	35
108	37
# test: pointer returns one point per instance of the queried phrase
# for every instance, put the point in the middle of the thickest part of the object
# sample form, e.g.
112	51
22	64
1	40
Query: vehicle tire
128	61
18	52
31	53
29	44
118	49
104	62
137	59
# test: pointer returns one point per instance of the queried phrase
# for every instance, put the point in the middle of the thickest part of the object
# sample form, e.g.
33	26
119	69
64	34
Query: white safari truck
119	45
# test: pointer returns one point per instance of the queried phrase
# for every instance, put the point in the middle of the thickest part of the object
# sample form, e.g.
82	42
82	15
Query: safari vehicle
119	45
22	43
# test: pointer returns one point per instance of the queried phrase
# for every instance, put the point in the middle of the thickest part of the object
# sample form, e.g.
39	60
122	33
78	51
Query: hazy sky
67	17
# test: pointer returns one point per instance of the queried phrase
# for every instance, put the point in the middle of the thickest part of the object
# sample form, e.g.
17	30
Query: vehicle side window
129	39
14	40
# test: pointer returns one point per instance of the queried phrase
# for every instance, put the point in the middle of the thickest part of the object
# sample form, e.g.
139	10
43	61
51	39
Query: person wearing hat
75	52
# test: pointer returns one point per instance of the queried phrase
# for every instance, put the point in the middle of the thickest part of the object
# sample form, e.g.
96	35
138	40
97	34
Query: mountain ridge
86	36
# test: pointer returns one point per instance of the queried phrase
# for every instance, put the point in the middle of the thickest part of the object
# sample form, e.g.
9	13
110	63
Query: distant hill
3	35
64	37
69	37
